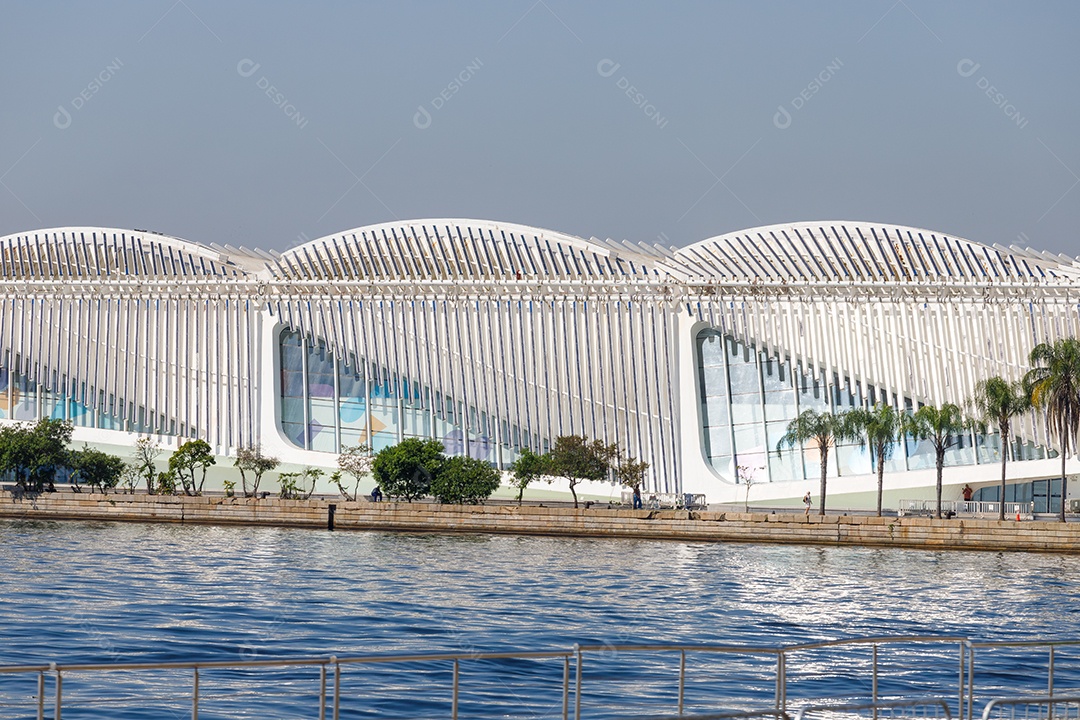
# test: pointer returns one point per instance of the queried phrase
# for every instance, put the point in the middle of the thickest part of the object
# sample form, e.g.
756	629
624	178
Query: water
105	592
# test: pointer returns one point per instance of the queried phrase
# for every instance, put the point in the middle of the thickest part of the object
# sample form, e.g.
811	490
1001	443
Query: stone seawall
906	532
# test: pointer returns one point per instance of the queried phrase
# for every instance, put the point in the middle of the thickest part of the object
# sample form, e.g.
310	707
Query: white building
492	337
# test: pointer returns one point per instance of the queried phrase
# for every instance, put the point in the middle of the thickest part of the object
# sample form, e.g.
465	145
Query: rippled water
105	592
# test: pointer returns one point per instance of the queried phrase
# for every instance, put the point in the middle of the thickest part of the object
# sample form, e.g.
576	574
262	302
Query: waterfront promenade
684	525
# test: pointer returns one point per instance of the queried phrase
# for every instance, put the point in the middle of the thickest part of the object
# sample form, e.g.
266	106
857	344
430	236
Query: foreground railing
1033	708
884	677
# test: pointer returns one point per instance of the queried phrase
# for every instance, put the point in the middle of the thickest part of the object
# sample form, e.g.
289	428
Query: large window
328	403
24	399
748	397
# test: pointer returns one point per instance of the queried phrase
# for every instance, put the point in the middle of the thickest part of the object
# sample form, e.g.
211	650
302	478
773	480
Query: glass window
775	374
813	394
26	399
717	441
989	448
724	467
711	349
780	405
784	466
750	444
852	460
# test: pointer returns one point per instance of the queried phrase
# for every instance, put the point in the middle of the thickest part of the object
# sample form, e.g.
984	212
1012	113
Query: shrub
192	457
407	469
356	460
576	459
35	452
528	468
464	480
97	469
251	459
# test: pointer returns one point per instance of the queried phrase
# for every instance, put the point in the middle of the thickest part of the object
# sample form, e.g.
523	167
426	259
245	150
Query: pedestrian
968	492
637	498
806	502
376	494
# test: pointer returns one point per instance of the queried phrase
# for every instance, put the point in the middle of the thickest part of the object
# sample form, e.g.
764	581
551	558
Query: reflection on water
97	592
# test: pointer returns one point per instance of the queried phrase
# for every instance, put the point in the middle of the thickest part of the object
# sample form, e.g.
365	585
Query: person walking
806	502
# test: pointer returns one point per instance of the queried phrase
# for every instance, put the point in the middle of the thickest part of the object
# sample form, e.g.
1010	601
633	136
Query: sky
271	123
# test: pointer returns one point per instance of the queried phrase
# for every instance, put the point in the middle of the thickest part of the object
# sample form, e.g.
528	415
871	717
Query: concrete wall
907	532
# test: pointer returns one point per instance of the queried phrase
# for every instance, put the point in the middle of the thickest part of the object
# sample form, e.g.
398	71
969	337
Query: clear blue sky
669	121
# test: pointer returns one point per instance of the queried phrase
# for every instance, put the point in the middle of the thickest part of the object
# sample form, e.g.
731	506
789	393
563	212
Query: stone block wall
906	532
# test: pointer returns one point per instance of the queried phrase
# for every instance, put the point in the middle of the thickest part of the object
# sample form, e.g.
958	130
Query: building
492	337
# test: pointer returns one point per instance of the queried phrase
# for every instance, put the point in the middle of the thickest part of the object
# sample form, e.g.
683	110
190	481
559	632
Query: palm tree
822	428
996	402
880	427
943	427
1054	382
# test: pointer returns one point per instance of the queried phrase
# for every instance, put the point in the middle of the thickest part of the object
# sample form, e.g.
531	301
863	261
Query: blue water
105	592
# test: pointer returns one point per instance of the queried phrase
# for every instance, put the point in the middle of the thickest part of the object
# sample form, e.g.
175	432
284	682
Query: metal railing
666	501
929	707
770	671
1045	708
970	508
1052	647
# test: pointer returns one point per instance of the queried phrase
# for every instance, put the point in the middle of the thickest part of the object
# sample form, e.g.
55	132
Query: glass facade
25	400
1044	494
748	398
328	403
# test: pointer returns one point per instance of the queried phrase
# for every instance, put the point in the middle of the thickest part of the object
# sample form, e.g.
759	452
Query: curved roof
82	253
861	251
450	249
446	249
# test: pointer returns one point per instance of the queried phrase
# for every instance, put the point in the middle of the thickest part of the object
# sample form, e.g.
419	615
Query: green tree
406	470
251	459
881	428
15	453
35	452
462	480
130	478
1054	385
575	458
354	460
943	427
528	468
97	469
189	464
631	473
144	460
995	403
166	483
821	429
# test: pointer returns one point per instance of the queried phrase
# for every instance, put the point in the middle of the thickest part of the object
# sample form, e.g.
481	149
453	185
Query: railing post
780	701
337	686
577	682
1050	690
566	687
960	684
41	695
874	681
59	693
1050	694
195	696
682	678
454	699
971	681
322	692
